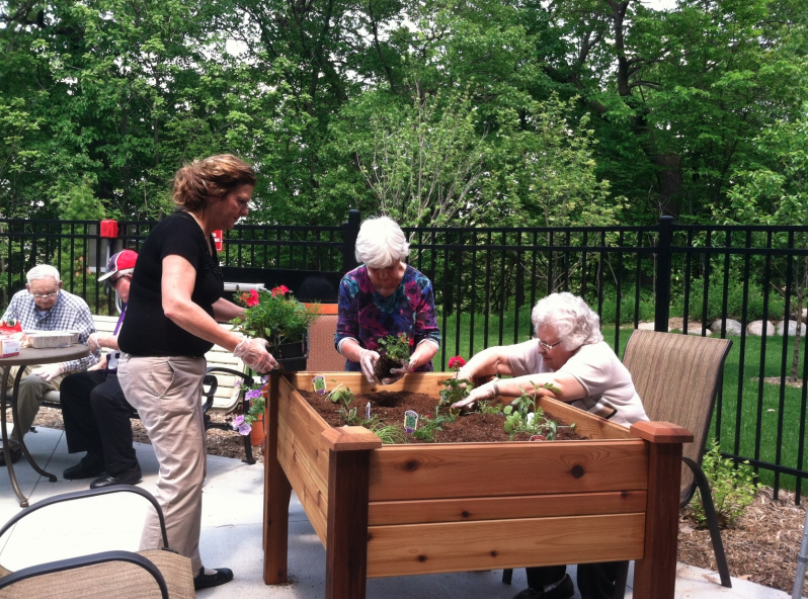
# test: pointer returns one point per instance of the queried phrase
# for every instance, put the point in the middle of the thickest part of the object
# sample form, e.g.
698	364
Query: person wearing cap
45	306
95	411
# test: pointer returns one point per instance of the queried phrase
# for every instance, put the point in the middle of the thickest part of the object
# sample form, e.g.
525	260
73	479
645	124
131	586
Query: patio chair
121	574
678	378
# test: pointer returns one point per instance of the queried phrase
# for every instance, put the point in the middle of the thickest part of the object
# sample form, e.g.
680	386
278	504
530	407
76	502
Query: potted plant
280	319
394	351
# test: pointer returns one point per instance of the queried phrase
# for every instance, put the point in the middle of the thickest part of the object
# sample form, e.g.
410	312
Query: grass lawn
758	420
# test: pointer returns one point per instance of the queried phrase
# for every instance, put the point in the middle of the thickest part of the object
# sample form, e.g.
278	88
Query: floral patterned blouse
366	316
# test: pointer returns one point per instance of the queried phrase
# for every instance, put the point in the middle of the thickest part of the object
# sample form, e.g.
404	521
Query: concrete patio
231	536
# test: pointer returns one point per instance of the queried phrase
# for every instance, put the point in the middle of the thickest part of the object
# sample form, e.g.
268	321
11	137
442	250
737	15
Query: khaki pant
29	397
166	393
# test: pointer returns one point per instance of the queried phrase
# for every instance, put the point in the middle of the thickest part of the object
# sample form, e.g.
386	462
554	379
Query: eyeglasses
45	295
114	282
547	346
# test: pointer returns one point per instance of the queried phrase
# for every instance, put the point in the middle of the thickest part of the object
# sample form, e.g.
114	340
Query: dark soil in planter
389	407
384	366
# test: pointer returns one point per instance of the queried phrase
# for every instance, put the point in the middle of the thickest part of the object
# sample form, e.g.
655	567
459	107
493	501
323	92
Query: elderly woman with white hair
385	296
568	351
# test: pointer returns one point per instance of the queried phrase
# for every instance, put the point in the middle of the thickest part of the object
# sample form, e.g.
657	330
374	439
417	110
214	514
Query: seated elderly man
44	306
569	352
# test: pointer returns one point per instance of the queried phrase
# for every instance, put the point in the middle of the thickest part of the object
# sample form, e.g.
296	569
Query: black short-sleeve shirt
147	331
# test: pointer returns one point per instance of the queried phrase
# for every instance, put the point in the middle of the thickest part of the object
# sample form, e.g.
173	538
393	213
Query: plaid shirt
69	313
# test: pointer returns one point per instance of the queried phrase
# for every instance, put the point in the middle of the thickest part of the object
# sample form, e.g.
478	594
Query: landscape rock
792	328
756	328
734	327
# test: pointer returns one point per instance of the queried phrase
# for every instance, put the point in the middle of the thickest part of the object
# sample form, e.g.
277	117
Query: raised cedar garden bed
428	508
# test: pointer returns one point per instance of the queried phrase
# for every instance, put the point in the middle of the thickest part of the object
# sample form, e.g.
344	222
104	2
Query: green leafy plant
390	434
395	347
427	427
523	416
489	408
733	488
344	397
275	315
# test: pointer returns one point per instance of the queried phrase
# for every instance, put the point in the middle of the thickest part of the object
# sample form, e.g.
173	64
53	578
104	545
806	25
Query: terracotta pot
258	431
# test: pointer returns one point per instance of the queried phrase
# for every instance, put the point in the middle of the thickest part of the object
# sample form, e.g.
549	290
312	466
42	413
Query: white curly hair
573	320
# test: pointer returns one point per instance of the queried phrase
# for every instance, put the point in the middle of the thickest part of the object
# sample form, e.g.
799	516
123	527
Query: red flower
252	299
456	363
280	290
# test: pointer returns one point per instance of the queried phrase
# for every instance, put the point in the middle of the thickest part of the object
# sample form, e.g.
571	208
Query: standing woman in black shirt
175	302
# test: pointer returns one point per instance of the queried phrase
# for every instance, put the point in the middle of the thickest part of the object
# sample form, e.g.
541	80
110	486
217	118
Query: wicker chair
120	574
678	378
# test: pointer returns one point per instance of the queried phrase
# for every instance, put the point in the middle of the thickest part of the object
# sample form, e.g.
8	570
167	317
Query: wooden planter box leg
277	492
655	574
347	535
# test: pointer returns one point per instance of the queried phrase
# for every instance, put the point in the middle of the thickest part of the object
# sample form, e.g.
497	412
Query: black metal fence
684	277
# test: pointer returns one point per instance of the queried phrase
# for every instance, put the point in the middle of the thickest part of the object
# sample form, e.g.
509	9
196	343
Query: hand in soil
486	391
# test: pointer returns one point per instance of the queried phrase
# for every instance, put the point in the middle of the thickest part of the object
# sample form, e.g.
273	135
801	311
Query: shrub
733	488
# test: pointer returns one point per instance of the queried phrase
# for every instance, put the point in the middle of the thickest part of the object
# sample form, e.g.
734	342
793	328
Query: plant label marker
538	438
367	411
410	421
319	384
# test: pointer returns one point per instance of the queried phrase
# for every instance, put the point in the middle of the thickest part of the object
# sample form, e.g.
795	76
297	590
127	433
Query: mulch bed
762	547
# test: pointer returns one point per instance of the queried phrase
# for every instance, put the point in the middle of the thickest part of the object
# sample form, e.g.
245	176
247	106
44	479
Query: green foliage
523	416
395	347
344	397
275	316
733	488
427	427
390	434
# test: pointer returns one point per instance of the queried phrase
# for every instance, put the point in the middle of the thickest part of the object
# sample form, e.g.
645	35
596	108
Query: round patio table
28	357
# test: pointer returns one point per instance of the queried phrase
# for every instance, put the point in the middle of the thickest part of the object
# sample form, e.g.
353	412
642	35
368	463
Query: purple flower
253	394
237	422
244	429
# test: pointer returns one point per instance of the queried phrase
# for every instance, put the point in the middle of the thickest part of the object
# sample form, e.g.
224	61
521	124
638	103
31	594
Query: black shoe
130	477
89	466
563	590
205	581
16	454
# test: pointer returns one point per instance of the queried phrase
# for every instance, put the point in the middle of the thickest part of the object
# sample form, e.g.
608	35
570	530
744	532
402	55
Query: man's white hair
575	323
381	243
43	271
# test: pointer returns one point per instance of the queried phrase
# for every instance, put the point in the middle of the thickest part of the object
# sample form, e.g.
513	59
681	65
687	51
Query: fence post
662	306
350	231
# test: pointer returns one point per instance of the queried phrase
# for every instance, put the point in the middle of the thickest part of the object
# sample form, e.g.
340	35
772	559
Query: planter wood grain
427	508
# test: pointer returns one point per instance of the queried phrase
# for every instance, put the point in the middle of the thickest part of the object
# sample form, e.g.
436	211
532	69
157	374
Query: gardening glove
98	340
487	391
253	352
48	372
398	373
367	361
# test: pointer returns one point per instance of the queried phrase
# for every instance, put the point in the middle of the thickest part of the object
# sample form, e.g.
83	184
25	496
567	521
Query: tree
774	191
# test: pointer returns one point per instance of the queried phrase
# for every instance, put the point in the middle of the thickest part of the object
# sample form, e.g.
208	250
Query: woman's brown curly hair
213	176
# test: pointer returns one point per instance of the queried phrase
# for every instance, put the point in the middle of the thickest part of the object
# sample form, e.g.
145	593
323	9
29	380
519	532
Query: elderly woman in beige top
568	352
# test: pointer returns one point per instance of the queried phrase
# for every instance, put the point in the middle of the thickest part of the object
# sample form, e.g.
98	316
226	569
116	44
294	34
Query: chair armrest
87	560
90	493
210	383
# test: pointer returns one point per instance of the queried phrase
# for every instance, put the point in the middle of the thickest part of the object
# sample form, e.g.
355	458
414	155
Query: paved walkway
231	536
